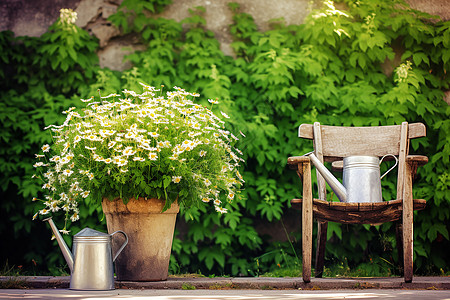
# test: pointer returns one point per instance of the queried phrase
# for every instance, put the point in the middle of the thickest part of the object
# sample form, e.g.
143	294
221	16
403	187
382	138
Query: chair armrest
420	160
293	161
415	161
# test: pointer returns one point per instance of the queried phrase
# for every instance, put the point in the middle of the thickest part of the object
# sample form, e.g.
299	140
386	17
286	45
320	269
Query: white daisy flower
54	206
176	179
67	172
63	231
221	209
154	134
153	156
128	151
122	162
44	211
75	217
111	144
130	135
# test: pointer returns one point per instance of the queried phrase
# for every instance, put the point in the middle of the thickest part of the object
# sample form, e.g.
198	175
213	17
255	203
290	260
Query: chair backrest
333	143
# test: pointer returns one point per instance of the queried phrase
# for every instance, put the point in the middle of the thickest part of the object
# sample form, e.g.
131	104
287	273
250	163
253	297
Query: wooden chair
332	144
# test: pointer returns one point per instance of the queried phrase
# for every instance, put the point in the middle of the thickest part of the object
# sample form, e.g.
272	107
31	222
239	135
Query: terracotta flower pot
150	235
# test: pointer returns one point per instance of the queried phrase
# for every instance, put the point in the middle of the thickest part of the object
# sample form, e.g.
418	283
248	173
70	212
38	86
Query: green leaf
232	218
223	238
166	181
435	229
419	57
209	255
334	228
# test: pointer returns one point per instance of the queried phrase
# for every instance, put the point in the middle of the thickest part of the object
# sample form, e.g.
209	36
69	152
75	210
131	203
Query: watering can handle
396	162
124	244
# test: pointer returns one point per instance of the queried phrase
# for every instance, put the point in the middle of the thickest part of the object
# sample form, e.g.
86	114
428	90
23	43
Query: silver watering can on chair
361	178
91	260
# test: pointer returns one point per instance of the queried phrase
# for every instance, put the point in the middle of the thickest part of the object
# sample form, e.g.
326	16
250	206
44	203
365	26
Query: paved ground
222	288
263	283
372	294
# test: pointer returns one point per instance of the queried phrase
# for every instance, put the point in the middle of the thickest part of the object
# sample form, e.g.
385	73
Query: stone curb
265	283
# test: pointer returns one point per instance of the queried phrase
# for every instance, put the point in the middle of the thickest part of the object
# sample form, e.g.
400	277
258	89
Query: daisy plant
132	145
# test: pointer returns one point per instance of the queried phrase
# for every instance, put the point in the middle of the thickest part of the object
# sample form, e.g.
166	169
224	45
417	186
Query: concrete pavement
264	283
233	288
226	294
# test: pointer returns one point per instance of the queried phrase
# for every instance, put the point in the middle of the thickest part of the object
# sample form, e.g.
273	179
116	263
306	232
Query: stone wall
32	18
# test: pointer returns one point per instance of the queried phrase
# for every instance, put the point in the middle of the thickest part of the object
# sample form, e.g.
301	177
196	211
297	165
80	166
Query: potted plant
140	154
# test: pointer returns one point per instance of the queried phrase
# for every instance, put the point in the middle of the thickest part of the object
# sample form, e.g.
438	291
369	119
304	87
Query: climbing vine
371	63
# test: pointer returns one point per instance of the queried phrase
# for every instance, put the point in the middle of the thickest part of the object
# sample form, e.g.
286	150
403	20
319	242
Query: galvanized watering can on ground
91	263
361	178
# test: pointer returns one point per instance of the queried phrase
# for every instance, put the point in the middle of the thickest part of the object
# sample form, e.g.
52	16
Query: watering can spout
336	186
64	248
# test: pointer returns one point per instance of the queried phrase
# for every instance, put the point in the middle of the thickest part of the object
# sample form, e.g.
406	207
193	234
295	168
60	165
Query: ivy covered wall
364	64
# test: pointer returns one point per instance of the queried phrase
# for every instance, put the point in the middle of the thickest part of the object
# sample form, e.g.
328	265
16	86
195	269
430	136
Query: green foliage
188	286
38	82
374	63
133	14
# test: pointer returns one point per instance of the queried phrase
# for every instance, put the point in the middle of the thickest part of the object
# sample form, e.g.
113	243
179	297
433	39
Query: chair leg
306	251
408	253
307	223
407	225
321	243
399	238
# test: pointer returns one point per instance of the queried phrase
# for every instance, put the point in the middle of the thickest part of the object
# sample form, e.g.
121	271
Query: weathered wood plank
402	159
416	130
407	226
318	149
307	221
322	192
414	161
418	159
293	161
399	238
387	211
340	142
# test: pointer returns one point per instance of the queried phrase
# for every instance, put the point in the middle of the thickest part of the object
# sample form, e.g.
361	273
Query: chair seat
358	213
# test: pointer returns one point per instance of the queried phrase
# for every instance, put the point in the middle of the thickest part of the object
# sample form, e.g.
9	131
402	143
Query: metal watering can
91	263
361	178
